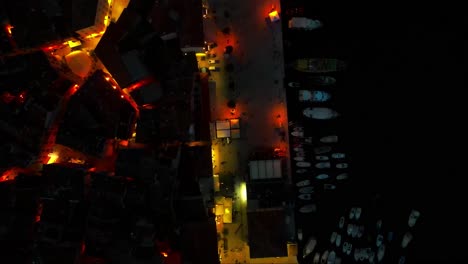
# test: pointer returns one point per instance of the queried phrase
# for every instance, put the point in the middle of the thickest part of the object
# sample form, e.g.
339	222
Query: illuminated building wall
102	19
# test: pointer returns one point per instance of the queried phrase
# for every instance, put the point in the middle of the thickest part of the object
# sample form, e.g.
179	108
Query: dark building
267	233
45	22
97	112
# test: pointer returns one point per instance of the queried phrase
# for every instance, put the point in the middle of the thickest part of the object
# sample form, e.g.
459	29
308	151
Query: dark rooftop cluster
136	213
30	94
38	22
123	183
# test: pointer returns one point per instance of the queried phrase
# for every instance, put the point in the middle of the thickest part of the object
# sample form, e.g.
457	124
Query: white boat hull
329	139
308	189
309	247
313	96
303	164
322	150
322	176
305	196
303	183
323	165
320	113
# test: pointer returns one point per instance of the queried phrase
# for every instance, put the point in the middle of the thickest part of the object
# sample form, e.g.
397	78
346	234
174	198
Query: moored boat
321	113
317	65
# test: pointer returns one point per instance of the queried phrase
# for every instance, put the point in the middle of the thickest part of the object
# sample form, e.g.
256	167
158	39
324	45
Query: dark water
403	116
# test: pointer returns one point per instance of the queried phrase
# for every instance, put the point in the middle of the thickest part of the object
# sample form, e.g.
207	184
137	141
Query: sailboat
313	96
322	80
319	65
309	247
322	113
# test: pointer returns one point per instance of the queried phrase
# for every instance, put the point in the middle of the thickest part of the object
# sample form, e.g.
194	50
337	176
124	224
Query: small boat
303	183
319	65
297	134
309	247
308	189
294	84
321	157
322	176
320	113
322	150
298	149
329	139
338	155
323	165
305	196
301	171
324	258
316	259
299	158
329	187
303	164
342	165
322	80
331	258
342	176
313	96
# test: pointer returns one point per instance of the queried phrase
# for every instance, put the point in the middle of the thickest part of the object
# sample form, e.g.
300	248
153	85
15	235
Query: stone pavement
260	100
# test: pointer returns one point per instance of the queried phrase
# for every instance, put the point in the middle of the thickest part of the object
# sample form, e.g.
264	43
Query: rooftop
267	233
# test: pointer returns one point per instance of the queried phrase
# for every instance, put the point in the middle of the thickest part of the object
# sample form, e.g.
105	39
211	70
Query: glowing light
139	84
107	78
122	96
274	16
73	44
53	157
9	28
199	54
243	189
106	21
164	254
114	87
93	35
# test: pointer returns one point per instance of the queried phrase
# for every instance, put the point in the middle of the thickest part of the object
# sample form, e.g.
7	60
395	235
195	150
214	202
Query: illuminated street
259	96
229	132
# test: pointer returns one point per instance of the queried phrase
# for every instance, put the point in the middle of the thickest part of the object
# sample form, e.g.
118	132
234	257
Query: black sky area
404	112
